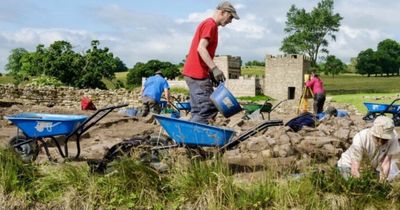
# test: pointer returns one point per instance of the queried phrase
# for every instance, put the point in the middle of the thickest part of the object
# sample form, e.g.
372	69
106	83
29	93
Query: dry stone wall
66	96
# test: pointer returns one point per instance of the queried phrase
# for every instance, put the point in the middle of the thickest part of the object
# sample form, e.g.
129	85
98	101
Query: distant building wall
230	65
284	75
243	86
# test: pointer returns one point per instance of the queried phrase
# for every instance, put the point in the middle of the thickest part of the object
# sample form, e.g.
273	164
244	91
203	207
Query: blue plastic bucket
225	102
163	104
175	114
128	112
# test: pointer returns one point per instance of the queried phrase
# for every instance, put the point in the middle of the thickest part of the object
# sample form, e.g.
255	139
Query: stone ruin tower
284	76
230	65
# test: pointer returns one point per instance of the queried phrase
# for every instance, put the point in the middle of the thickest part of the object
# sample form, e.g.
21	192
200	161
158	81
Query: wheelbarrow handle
112	107
390	105
88	123
172	104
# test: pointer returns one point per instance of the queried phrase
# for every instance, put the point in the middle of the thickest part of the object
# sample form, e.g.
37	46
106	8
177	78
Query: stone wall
66	96
230	65
284	75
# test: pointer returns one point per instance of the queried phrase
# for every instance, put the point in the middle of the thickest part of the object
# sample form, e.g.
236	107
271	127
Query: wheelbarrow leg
58	146
46	148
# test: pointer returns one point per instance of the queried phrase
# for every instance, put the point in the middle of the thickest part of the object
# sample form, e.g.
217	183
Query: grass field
348	84
6	79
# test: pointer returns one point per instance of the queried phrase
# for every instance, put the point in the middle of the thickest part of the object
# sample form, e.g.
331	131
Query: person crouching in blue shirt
151	93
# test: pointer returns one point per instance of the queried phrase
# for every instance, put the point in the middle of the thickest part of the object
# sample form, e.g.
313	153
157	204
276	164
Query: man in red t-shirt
200	68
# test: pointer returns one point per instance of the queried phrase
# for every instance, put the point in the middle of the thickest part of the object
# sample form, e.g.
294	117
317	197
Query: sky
141	30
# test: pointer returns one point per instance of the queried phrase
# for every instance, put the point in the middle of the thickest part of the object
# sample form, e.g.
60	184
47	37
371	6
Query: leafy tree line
384	61
254	63
60	61
169	70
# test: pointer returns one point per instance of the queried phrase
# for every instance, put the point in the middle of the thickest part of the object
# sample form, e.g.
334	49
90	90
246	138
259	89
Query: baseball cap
228	7
158	72
383	127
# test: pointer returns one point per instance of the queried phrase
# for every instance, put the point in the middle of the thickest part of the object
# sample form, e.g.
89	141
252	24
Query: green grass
6	79
121	76
195	185
253	70
358	99
349	84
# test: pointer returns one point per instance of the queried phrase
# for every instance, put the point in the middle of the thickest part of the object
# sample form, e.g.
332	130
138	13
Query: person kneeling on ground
331	112
151	93
379	143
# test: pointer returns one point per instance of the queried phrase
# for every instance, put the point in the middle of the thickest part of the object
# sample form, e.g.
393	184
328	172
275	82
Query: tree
308	30
333	66
121	67
255	63
367	63
134	77
388	53
33	64
14	64
63	63
351	68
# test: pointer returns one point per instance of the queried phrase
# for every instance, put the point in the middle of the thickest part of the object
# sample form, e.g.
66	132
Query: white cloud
35	36
195	17
136	35
249	27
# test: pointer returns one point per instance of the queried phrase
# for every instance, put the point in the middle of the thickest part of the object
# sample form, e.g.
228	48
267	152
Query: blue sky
140	30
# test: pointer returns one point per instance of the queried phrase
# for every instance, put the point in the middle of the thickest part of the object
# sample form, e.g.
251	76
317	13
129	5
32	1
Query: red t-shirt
195	67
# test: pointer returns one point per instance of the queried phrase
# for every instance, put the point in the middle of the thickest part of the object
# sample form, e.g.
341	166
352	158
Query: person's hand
218	74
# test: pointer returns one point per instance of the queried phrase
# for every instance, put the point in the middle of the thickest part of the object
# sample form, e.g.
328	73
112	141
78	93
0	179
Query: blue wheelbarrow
377	109
35	127
192	134
174	108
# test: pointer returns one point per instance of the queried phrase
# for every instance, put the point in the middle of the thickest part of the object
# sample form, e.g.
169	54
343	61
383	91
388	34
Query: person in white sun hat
378	143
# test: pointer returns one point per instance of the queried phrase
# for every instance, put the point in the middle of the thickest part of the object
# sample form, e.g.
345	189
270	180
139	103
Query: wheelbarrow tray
251	107
183	106
378	108
36	125
192	133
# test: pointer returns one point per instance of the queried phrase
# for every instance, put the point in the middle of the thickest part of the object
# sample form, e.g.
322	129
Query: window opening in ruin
291	92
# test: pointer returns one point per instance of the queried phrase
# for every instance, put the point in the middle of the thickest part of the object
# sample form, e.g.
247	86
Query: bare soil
110	130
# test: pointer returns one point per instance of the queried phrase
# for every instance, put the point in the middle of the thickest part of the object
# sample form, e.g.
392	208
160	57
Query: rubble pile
281	146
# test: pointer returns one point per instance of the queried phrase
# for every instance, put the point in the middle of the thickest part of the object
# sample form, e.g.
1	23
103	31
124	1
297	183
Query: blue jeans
202	108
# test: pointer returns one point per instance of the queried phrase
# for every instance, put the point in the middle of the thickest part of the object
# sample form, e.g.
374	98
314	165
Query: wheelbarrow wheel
370	116
27	152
